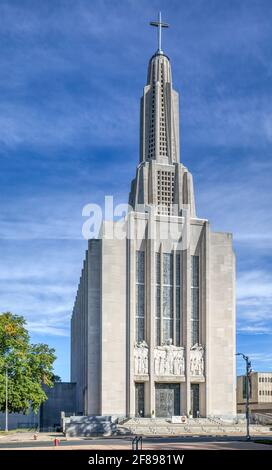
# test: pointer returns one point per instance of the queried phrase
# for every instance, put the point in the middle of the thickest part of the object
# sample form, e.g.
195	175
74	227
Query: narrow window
140	295
167	297
178	298
195	299
158	299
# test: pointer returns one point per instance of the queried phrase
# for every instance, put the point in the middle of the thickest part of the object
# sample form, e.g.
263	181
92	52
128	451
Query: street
157	443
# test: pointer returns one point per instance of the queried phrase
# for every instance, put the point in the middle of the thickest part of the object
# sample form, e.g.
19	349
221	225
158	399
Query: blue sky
71	75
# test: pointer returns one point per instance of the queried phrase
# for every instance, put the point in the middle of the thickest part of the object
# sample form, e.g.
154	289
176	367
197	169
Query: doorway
167	400
139	400
195	400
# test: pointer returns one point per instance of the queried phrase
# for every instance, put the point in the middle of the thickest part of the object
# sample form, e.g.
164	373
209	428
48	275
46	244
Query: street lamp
6	427
248	370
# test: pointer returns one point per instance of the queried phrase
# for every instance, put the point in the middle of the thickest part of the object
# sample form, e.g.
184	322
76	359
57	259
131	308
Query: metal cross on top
159	25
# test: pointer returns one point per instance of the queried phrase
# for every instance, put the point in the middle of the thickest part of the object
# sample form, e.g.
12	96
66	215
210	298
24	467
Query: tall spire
161	180
159	138
158	24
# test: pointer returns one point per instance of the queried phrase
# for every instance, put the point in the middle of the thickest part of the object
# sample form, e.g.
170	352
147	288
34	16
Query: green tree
29	366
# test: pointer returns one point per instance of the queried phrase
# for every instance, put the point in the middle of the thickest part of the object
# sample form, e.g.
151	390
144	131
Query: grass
263	441
15	431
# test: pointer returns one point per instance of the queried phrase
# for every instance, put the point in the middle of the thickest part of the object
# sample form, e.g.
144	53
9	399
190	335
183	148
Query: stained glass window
195	271
158	299
168	269
167	300
140	295
195	299
140	266
166	317
178	269
158	268
178	298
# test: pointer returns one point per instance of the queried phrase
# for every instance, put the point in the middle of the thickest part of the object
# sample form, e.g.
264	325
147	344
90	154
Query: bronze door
167	400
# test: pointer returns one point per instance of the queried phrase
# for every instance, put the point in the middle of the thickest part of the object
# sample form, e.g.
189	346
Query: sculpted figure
179	363
169	359
156	362
176	366
162	361
197	360
141	358
145	360
182	366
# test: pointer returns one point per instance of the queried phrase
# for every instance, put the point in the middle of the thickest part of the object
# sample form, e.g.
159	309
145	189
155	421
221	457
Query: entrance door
139	399
167	400
195	400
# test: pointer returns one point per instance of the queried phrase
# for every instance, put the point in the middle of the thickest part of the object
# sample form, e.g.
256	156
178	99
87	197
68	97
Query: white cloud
82	43
41	283
262	356
46	329
254	301
253	285
228	121
68	123
255	329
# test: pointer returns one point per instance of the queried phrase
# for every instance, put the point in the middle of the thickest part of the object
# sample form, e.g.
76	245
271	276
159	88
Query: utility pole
248	371
6	427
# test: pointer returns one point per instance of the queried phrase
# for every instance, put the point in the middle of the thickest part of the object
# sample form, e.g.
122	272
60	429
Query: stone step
202	426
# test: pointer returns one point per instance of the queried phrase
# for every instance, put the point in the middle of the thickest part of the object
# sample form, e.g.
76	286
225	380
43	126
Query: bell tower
161	179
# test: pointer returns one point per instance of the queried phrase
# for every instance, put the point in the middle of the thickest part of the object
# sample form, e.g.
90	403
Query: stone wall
61	398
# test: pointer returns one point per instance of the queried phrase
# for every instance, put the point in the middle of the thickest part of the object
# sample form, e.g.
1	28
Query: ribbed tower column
159	114
161	179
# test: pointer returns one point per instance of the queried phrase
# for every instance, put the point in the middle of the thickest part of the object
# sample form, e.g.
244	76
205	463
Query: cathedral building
153	325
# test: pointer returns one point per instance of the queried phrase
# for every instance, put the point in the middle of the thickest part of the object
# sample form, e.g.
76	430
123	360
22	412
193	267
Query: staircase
193	427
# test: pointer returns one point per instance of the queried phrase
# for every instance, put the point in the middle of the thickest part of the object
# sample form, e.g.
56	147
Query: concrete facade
60	399
153	325
260	392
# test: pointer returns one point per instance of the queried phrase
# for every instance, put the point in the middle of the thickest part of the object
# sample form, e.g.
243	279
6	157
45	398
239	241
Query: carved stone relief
141	358
197	360
169	360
